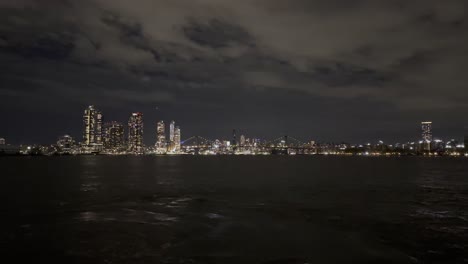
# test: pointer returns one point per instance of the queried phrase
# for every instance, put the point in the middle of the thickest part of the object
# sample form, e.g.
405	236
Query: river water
234	209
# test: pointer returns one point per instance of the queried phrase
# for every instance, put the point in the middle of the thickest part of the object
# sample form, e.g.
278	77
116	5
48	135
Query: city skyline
93	133
408	132
100	135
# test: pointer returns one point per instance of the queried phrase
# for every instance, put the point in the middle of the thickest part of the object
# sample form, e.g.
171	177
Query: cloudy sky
328	70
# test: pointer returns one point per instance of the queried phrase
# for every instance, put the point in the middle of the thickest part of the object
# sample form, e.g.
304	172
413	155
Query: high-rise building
234	140
242	140
99	129
114	136
89	125
92	129
160	137
135	133
177	139
426	128
2	141
171	131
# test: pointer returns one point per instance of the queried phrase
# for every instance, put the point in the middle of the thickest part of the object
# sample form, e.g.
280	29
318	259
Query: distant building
9	150
171	131
177	139
65	143
2	141
161	137
114	137
234	139
135	133
451	145
426	129
92	129
242	140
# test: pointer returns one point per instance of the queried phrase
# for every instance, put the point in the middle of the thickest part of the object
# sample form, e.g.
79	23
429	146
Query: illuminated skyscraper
88	125
2	141
177	139
171	131
99	129
135	133
114	136
242	140
426	128
160	137
92	129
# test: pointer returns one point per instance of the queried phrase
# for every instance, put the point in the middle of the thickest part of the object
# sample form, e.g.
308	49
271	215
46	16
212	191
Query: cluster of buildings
110	137
426	146
167	145
100	137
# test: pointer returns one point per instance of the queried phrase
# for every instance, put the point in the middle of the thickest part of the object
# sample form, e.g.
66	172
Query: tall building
234	140
426	128
99	128
177	139
242	140
114	136
135	133
92	129
2	141
160	137
171	131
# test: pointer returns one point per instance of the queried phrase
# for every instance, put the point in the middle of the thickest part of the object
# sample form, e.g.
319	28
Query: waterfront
235	209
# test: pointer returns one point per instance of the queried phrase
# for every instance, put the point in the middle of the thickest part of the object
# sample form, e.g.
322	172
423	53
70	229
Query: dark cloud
217	34
56	47
330	70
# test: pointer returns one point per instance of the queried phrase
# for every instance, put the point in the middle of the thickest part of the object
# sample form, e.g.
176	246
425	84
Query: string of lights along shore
117	138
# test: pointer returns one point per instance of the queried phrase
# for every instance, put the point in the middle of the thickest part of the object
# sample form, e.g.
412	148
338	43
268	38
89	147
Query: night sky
325	70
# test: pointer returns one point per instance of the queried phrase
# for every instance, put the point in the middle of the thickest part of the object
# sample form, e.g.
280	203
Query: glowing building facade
242	140
426	128
161	137
114	139
171	131
92	129
2	141
135	133
177	139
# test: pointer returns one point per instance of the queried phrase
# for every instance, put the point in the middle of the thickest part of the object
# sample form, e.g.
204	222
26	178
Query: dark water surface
234	209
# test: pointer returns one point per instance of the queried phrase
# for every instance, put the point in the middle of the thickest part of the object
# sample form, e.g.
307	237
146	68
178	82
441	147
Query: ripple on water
128	215
214	216
89	187
88	216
